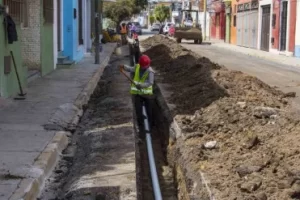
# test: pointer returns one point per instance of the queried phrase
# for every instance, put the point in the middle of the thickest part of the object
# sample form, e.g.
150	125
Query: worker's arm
149	81
129	68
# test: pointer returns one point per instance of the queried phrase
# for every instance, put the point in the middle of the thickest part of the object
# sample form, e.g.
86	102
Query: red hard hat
144	61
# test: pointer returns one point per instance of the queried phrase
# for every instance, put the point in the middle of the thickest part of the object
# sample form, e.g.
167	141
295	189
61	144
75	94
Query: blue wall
71	47
297	51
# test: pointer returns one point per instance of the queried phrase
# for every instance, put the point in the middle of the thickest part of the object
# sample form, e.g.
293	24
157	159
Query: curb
88	90
257	55
30	188
84	96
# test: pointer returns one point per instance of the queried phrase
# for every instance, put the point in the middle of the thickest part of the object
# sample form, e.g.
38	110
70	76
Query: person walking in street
142	90
123	31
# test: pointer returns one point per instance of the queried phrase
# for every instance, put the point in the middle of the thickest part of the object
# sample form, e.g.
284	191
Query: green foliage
142	4
123	9
151	19
162	13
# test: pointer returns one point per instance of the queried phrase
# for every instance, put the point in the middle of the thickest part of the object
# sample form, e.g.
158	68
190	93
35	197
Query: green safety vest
138	80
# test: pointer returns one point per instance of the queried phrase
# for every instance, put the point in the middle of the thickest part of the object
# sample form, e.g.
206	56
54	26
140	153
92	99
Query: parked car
167	27
138	28
155	27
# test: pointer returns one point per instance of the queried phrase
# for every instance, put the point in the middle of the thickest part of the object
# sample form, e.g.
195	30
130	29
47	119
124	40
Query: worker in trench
142	91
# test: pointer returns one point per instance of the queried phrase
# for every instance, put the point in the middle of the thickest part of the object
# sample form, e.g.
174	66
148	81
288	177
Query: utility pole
204	12
97	52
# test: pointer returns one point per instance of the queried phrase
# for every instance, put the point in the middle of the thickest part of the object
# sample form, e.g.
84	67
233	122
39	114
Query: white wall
201	21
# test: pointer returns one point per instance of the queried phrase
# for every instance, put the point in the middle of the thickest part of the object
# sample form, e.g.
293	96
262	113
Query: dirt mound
253	150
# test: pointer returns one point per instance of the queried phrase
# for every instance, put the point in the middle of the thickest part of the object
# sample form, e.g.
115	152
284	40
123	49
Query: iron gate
283	26
265	28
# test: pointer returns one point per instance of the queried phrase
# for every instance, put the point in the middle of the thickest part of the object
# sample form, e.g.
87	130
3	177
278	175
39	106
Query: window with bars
18	10
48	9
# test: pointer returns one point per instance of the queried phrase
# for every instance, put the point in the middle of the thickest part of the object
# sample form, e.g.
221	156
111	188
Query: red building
218	20
283	26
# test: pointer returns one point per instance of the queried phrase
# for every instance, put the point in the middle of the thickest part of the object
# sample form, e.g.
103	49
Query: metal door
246	29
283	26
254	27
239	24
265	28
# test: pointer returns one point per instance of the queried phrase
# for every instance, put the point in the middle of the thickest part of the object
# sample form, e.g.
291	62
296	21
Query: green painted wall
47	48
8	82
228	22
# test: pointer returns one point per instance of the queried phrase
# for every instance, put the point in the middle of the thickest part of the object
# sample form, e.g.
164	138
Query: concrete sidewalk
34	131
281	59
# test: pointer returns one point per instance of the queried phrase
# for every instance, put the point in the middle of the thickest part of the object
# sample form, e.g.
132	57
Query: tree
162	13
151	19
123	9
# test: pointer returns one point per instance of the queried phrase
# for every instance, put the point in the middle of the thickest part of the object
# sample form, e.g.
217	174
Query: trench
75	177
171	177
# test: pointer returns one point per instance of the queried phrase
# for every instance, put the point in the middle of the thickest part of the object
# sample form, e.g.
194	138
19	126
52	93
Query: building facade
8	79
218	20
50	34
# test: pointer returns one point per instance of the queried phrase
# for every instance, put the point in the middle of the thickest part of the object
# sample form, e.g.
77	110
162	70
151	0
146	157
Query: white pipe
155	182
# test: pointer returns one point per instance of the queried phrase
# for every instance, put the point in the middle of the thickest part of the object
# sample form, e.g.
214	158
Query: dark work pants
138	104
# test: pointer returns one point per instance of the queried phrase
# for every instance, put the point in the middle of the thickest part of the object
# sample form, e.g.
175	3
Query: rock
245	170
64	117
251	142
251	186
290	94
261	196
284	101
264	112
210	145
242	104
68	157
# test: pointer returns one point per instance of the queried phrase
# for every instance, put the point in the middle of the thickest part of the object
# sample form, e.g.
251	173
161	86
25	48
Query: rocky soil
236	130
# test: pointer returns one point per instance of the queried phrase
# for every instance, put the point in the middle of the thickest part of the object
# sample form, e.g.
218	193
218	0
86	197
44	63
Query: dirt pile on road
236	129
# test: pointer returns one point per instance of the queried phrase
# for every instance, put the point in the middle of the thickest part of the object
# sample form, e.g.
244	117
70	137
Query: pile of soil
238	131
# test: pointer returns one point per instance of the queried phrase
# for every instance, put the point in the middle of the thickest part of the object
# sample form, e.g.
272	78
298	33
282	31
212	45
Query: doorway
265	28
283	26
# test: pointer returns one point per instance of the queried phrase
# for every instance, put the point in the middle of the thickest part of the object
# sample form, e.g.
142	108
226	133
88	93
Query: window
273	20
14	7
48	10
80	23
234	21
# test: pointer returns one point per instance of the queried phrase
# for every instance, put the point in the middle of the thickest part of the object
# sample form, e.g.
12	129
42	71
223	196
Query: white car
167	27
155	27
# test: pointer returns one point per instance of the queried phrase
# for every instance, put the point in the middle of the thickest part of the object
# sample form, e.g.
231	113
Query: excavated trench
172	178
81	174
160	140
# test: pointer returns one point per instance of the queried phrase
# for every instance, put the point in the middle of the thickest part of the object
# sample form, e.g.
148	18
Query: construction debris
254	124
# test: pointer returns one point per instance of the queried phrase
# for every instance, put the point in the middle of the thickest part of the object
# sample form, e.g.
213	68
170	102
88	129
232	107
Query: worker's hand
138	86
121	68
